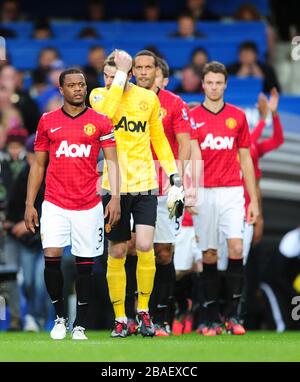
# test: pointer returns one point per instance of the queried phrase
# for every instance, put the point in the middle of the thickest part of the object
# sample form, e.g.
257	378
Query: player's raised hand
274	100
123	61
31	218
262	106
113	211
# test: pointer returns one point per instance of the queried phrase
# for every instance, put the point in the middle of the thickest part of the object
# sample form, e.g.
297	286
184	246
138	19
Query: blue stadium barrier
141	30
177	52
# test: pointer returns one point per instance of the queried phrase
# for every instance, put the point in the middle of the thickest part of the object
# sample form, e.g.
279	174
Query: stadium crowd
26	95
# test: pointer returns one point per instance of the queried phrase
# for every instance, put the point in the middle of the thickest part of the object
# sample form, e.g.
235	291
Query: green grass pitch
254	346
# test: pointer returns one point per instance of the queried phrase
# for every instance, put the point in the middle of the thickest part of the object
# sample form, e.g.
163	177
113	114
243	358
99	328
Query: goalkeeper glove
175	200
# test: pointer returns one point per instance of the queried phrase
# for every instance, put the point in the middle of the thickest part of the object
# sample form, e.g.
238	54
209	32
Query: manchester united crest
231	123
162	113
89	129
143	106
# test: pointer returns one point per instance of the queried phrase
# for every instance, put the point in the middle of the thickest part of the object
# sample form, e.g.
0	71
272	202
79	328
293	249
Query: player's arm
182	127
184	151
160	142
35	179
195	170
113	209
107	102
259	225
277	137
249	176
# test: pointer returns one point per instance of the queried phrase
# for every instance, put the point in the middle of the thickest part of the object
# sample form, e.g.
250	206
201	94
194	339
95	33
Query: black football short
143	208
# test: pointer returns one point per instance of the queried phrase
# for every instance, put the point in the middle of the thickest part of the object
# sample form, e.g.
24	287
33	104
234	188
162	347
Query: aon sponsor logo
73	150
217	143
131	125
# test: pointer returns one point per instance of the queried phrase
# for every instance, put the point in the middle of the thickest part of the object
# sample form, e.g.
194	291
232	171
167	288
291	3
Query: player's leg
116	275
87	238
131	285
164	281
207	231
55	235
183	262
232	227
144	210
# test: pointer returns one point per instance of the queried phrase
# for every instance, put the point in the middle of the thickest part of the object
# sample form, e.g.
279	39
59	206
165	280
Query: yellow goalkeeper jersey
135	114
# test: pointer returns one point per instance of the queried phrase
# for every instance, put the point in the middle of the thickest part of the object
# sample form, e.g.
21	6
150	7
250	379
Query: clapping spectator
249	66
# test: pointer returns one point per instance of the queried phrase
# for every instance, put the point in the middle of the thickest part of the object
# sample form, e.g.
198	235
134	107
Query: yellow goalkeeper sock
145	272
116	280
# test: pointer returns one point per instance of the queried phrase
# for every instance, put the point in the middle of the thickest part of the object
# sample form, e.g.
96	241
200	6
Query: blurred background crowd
253	39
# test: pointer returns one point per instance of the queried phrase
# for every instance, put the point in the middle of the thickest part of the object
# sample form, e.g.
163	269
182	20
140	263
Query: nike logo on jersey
81	303
217	143
73	150
199	124
161	306
57	128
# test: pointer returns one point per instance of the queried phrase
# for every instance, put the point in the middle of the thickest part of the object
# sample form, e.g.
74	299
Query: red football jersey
175	119
187	220
73	144
220	136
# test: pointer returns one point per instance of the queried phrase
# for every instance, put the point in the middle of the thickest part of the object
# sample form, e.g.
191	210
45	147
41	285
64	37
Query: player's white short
221	211
223	252
187	250
165	228
83	230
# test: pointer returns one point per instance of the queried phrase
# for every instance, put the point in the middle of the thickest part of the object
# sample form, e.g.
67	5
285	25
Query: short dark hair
248	45
215	67
69	71
146	52
163	65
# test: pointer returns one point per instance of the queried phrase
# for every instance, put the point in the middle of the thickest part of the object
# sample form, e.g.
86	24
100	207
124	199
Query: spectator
39	83
249	66
199	57
151	11
12	161
21	99
46	57
198	10
94	68
190	81
249	12
9	115
42	30
186	27
96	10
29	246
89	33
10	11
52	92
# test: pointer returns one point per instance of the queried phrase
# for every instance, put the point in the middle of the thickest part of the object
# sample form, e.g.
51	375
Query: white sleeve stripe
107	136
